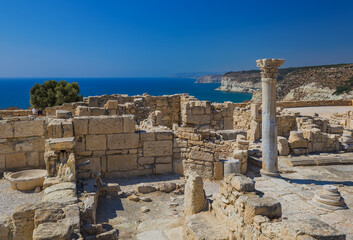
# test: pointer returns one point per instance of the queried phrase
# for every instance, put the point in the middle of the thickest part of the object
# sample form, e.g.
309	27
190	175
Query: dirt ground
164	220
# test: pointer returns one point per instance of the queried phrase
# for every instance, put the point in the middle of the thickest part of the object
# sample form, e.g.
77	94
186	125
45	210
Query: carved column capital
269	67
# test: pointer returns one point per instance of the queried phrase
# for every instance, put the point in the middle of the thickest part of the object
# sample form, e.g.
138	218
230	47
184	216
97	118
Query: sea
14	92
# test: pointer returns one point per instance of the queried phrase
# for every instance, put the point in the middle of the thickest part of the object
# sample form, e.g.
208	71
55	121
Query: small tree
52	93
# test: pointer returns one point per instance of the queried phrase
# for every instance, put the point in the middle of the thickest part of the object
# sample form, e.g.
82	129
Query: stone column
269	68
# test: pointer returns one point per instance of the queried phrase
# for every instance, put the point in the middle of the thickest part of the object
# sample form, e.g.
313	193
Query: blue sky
72	38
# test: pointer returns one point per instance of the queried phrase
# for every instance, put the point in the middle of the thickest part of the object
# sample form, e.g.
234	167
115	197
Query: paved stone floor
10	198
297	186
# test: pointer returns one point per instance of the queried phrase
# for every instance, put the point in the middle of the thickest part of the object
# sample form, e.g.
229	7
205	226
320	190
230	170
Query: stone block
96	111
15	160
243	183
80	125
63	114
80	143
228	123
2	161
178	167
29	128
164	135
95	142
230	166
6	148
164	168
53	230
111	104
147	136
265	206
6	130
59	144
146	160
123	141
122	162
67	128
163	159
24	147
218	170
194	195
33	159
105	125
129	123
201	155
54	128
158	148
282	145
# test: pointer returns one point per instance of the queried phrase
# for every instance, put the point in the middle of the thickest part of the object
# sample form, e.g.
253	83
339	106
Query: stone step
205	226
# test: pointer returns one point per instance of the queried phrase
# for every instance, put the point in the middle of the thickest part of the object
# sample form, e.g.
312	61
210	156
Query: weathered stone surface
15	160
59	144
105	125
297	140
203	226
5	227
23	221
201	155
265	206
48	215
166	186
80	125
96	142
218	170
6	130
311	229
231	165
89	212
64	195
28	128
53	231
243	183
129	124
282	145
194	195
109	235
164	168
145	188
122	162
93	229
63	114
123	141
158	148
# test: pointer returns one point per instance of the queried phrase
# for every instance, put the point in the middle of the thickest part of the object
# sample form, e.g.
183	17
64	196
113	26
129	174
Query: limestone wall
22	143
15	113
314	103
206	115
116	149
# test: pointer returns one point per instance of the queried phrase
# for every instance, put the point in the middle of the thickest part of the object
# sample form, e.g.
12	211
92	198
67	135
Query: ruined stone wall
138	105
15	113
22	143
314	103
196	154
206	115
116	149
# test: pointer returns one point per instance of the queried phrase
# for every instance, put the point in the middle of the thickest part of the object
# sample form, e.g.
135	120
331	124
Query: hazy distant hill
297	83
209	79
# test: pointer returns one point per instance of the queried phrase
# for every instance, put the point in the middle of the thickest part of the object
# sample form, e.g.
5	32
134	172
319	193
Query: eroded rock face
194	195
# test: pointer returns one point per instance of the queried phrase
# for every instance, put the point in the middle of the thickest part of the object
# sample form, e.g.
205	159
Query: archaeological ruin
173	167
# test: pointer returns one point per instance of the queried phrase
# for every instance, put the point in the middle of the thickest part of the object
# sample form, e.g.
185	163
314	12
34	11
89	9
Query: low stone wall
22	143
314	103
15	113
115	149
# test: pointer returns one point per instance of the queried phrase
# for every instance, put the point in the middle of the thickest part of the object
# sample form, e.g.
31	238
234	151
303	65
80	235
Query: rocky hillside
209	79
299	83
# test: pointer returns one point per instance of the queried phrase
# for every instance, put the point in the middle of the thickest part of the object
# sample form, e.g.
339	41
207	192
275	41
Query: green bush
52	93
345	88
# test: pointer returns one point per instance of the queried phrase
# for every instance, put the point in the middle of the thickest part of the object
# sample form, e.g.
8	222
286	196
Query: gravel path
10	198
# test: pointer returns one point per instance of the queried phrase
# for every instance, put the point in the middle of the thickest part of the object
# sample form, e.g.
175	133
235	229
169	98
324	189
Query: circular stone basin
27	180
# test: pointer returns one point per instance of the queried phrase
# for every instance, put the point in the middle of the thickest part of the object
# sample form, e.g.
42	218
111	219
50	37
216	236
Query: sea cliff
209	79
299	83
